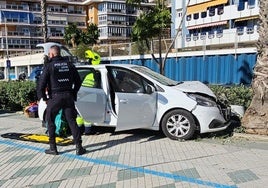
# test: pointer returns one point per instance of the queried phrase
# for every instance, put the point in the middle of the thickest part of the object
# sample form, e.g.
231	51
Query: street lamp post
7	53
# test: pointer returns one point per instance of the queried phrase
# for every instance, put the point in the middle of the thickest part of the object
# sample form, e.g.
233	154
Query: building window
250	30
219	32
195	36
196	16
203	35
251	4
241	5
240	31
220	10
211	34
188	37
212	11
188	17
203	14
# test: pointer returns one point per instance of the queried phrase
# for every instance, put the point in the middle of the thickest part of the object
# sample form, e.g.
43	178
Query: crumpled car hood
195	87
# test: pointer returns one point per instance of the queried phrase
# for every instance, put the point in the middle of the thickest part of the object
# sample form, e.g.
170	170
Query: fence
220	69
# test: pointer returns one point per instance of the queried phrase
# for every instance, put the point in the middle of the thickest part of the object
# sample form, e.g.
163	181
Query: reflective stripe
79	121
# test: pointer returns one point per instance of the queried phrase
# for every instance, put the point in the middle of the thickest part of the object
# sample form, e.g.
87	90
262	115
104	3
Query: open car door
136	108
91	98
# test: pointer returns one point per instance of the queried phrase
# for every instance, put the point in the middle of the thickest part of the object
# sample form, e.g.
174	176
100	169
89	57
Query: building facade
21	23
21	27
215	24
198	25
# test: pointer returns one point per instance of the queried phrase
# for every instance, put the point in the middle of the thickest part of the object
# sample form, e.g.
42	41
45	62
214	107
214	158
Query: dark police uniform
61	79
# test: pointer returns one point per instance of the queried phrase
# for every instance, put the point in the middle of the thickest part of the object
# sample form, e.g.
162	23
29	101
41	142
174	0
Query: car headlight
203	101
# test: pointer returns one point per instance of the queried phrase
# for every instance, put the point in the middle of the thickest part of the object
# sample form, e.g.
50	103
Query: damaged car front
209	110
191	107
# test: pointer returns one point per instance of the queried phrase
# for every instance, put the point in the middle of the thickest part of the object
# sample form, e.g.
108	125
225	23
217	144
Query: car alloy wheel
178	124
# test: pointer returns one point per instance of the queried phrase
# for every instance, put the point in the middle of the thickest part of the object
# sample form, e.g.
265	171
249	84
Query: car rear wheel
178	124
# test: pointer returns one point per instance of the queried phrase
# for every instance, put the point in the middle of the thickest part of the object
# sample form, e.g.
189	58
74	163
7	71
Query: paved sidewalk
132	159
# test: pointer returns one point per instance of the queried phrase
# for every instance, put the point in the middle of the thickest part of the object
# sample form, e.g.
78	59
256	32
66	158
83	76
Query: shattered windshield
156	76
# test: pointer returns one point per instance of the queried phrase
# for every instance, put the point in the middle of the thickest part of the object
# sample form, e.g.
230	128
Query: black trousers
64	101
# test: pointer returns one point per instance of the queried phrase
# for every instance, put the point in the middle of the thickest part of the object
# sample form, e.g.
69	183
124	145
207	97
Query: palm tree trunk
255	119
44	19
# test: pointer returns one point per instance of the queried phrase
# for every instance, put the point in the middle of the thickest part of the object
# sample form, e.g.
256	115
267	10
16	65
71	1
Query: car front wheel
178	124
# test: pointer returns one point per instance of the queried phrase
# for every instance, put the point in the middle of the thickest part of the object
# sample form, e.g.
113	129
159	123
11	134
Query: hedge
16	95
234	95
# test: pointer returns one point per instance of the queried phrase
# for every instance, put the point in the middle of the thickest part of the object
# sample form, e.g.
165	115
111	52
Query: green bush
16	95
234	95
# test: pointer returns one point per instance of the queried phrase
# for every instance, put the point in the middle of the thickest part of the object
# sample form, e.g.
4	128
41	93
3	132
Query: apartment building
207	24
215	24
21	27
21	23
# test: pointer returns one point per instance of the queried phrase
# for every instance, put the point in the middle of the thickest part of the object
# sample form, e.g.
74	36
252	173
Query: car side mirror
149	89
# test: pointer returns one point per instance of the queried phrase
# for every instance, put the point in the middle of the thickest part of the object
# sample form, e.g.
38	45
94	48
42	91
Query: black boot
52	150
80	150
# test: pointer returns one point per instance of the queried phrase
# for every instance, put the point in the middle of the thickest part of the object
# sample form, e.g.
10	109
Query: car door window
126	81
90	78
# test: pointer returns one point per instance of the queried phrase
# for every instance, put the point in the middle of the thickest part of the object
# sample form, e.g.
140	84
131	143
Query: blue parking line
123	166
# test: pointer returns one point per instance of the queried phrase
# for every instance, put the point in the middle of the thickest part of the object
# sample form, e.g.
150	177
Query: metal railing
128	49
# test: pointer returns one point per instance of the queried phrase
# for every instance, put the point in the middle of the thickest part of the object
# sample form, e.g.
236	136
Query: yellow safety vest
89	80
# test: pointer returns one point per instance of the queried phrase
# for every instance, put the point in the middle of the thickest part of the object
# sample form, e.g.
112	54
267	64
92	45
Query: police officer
62	82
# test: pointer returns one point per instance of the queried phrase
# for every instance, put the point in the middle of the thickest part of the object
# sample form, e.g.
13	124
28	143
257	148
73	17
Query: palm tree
44	19
72	35
255	119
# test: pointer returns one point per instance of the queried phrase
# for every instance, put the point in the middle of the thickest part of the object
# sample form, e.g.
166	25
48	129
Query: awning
203	6
246	18
207	25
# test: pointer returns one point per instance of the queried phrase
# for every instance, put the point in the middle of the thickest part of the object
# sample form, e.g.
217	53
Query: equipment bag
62	127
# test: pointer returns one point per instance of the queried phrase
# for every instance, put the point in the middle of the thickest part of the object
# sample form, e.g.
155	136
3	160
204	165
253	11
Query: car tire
178	124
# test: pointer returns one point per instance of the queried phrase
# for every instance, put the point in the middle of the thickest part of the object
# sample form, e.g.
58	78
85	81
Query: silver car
131	96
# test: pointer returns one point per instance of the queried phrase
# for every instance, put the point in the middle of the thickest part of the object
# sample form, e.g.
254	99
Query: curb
251	136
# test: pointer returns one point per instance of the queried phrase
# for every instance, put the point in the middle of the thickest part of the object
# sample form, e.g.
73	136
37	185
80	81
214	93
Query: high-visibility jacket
93	56
89	80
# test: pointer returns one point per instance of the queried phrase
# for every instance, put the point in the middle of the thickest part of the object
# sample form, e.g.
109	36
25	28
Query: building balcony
226	37
18	33
56	35
17	7
15	46
76	12
16	21
227	13
57	10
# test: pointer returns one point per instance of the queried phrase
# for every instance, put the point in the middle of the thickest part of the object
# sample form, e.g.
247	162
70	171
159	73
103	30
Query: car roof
47	45
101	66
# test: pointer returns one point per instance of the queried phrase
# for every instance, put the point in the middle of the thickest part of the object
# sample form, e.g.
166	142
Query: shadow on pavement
132	136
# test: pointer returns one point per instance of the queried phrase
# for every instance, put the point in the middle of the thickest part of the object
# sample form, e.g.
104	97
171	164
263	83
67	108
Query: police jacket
58	76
